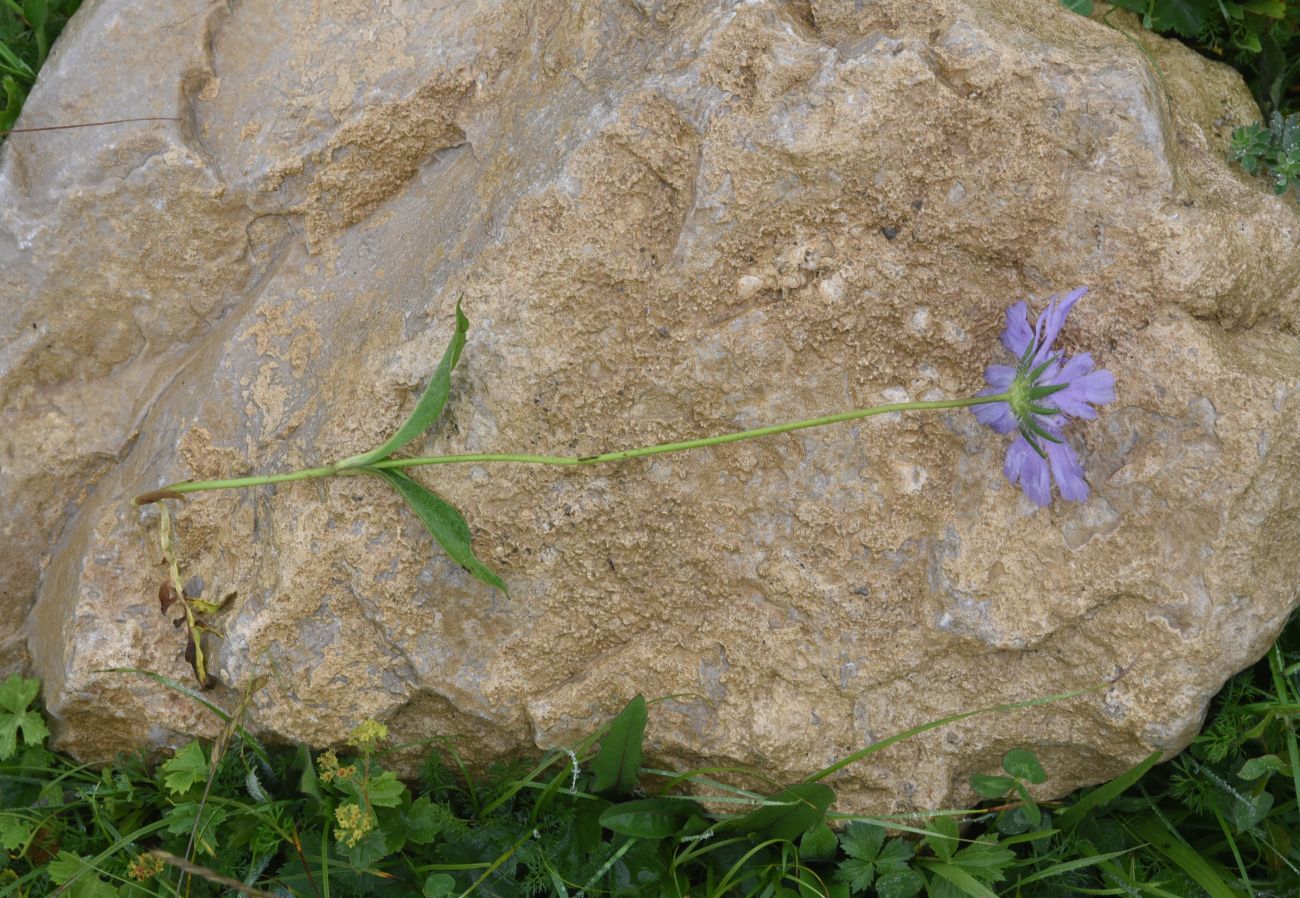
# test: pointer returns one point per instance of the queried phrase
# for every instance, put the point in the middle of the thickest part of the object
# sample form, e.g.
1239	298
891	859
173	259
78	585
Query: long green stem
570	460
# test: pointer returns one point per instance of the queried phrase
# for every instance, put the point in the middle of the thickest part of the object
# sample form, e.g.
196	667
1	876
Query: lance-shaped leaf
428	408
649	818
788	815
619	760
444	523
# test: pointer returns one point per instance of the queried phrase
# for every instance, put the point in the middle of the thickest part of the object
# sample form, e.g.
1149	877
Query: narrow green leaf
444	523
648	818
1106	793
15	96
1068	866
619	760
964	882
36	12
428	408
1082	7
1184	857
791	813
15	64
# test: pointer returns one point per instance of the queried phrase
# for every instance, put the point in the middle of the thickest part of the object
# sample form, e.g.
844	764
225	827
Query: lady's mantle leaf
189	766
428	408
203	822
16	696
445	523
619	760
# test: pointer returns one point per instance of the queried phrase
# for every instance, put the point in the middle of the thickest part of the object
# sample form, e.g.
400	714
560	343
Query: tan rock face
667	219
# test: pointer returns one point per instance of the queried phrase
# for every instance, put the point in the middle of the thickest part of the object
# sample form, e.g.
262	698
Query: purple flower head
1045	390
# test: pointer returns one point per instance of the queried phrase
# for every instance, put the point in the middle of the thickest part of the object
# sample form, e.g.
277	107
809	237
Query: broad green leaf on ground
619	760
372	848
900	884
942	837
189	766
77	877
987	786
818	844
204	823
445	524
385	791
1023	764
14	831
423	820
428	409
1185	17
869	856
16	697
439	885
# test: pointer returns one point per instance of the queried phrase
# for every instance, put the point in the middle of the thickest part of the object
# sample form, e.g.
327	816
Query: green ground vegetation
27	29
234	816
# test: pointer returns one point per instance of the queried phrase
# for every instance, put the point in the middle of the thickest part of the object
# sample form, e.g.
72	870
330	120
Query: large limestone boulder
668	218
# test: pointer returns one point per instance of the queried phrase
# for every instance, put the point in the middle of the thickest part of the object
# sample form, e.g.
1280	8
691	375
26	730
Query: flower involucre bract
1046	390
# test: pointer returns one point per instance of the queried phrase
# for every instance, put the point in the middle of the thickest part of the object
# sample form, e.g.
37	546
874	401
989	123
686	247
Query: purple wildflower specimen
1070	387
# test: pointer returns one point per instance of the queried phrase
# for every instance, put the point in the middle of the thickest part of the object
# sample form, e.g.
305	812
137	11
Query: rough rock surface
668	218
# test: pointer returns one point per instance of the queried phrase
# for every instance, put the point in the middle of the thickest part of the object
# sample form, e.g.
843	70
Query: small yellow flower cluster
354	823
368	735
146	866
330	769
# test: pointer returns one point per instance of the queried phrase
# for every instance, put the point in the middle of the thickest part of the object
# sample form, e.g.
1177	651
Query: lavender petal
1051	322
1025	466
1068	471
1018	334
999	376
1077	399
995	414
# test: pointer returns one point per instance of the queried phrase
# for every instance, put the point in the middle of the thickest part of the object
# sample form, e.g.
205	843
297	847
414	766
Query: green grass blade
964	882
1105	793
428	408
1066	866
1184	857
12	61
787	815
258	748
944	721
444	523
